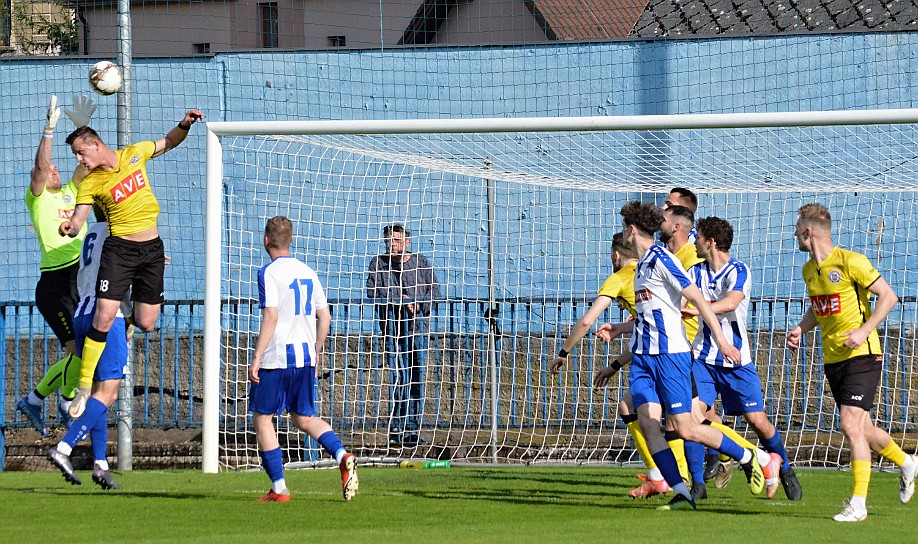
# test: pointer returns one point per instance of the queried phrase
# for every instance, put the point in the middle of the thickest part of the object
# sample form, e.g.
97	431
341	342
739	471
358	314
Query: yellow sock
894	453
861	471
678	447
92	351
641	444
733	435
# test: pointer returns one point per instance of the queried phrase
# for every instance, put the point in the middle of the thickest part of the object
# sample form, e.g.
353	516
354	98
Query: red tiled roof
590	19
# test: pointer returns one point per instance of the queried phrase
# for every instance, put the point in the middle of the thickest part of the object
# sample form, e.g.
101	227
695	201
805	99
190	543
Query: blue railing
168	365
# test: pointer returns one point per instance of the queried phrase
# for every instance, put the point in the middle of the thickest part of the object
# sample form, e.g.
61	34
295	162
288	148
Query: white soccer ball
105	77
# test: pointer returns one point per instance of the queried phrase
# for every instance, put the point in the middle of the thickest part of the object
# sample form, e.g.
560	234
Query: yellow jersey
840	300
620	286
124	192
688	256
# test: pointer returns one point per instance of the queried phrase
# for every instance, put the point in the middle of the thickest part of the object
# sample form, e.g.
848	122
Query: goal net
516	217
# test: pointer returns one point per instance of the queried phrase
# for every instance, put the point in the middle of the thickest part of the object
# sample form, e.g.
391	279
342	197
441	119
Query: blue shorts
740	388
113	362
279	389
664	379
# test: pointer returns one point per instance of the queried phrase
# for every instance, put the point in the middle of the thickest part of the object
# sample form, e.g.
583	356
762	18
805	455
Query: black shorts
56	297
854	382
125	264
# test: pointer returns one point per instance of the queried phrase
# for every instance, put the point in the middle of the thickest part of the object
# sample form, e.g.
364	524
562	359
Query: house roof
675	18
587	19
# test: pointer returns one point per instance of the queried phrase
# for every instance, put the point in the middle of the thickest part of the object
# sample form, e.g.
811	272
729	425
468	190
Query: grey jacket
393	285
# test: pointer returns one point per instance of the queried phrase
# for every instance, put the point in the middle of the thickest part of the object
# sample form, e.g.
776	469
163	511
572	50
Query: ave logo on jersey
826	304
128	186
65	213
642	295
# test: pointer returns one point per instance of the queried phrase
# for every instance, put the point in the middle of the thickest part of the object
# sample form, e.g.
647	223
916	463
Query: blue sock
666	462
694	457
731	449
81	427
710	451
776	445
273	463
332	444
99	436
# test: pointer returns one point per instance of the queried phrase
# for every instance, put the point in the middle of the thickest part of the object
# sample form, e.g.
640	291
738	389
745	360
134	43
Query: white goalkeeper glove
54	113
83	108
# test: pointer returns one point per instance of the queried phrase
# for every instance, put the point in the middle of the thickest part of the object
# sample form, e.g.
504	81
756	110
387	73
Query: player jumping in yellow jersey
839	284
133	255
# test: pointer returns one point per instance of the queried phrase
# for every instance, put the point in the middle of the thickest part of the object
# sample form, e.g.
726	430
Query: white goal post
516	216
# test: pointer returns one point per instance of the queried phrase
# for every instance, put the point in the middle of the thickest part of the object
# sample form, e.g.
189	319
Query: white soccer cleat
907	480
851	513
78	404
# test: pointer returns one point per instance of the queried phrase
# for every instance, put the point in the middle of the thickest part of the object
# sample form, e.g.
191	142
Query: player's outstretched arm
579	331
42	169
609	331
72	228
807	323
603	375
178	133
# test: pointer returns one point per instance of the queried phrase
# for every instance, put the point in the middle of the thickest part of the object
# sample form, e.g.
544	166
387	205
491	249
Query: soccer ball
105	77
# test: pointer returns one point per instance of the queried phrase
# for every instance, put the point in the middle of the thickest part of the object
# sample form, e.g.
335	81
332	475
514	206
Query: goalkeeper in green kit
50	203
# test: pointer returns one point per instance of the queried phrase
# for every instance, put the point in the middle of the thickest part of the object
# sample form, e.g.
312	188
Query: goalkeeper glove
83	108
54	113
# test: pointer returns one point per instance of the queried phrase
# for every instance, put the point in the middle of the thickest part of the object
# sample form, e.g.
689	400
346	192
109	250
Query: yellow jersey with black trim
124	192
620	286
688	257
840	299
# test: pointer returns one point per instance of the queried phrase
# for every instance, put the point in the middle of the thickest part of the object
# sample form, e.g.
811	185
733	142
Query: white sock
909	464
34	399
747	456
339	455
279	486
65	448
858	502
762	457
102	464
654	474
64	404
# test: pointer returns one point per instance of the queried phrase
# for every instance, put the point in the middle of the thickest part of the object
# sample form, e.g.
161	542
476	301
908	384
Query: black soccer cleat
791	485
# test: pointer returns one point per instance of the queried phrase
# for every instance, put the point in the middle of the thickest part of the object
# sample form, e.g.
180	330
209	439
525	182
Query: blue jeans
406	356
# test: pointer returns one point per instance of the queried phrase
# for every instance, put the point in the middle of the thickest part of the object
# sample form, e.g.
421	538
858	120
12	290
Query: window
267	15
337	41
201	48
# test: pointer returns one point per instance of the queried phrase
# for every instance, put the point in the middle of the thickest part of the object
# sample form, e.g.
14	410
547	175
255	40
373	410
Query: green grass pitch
461	504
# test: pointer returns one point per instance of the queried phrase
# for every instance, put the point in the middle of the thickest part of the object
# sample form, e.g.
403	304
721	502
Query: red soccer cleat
649	488
772	472
275	497
349	481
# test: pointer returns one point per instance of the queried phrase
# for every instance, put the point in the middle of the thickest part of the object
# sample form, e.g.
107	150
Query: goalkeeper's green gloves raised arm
54	113
83	108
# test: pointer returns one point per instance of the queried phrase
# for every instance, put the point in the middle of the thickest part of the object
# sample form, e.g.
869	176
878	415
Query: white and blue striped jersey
90	255
658	284
295	290
716	285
